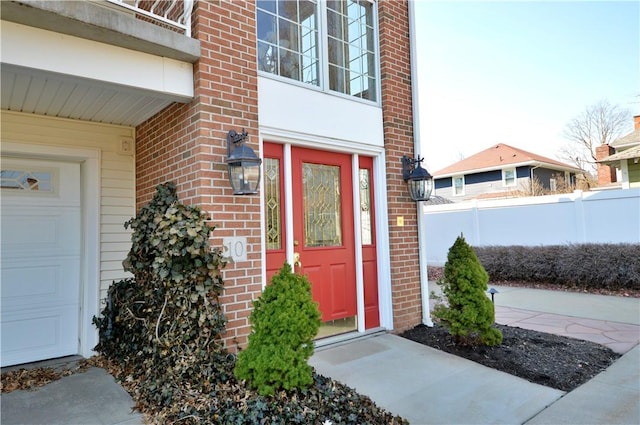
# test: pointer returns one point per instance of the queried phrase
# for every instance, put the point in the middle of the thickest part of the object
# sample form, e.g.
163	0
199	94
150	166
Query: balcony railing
174	14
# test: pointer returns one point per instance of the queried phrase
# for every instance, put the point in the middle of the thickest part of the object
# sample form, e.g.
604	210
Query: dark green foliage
164	324
469	315
586	266
285	319
325	400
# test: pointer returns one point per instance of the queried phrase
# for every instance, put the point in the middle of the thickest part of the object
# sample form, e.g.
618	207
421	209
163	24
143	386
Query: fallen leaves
30	379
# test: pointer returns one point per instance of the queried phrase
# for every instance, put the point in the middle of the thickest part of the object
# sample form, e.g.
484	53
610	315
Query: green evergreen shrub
284	320
164	324
469	315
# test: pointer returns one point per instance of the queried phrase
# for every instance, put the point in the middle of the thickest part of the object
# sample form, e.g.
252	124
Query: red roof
497	157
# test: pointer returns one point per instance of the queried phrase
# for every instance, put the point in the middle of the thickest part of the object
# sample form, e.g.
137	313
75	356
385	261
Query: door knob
296	259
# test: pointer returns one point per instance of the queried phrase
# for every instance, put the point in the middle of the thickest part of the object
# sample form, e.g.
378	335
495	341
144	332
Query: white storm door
40	259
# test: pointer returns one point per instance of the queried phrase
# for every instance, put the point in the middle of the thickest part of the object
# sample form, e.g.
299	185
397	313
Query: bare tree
599	124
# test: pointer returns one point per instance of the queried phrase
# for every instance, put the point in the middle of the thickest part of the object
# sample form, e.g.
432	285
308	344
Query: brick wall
606	174
398	139
187	144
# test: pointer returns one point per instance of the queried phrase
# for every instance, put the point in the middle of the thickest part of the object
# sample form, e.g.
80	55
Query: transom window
27	180
339	55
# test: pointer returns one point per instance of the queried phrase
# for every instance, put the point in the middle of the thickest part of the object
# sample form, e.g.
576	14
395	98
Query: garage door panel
41	260
37	334
36	233
49	283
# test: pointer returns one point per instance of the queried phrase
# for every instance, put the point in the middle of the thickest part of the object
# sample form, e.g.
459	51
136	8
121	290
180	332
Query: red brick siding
398	139
187	144
606	174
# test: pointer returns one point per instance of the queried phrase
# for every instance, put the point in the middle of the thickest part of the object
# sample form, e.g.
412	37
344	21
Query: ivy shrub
164	324
468	313
284	320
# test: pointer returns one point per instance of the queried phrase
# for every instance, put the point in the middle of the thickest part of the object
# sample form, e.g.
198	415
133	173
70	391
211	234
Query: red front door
323	235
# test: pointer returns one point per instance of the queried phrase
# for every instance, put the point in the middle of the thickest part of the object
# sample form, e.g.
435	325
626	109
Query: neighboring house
501	171
622	154
102	101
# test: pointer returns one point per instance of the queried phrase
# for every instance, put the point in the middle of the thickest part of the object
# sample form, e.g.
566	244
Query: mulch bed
546	359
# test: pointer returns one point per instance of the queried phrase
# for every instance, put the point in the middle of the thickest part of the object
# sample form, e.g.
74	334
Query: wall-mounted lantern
419	181
244	164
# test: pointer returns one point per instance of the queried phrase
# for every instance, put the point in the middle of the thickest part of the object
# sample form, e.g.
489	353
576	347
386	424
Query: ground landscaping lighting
493	291
244	164
419	181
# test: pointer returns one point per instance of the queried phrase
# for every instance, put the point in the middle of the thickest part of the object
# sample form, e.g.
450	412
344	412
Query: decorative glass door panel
322	206
273	192
272	203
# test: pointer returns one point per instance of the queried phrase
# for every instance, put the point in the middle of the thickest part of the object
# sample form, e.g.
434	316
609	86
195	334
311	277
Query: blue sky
516	72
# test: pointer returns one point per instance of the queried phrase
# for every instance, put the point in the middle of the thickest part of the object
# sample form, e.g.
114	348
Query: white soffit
52	74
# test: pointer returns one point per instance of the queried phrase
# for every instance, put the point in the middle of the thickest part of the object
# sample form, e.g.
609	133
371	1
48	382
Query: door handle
296	260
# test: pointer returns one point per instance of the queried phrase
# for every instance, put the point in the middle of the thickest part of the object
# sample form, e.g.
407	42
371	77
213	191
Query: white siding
117	177
308	112
475	190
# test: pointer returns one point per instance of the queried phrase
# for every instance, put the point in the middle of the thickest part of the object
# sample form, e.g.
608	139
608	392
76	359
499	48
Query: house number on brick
235	248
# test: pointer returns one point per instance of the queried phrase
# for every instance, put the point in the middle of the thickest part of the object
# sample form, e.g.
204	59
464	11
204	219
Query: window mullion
323	41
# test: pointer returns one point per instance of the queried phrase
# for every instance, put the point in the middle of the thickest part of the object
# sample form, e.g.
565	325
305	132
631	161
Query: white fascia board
64	54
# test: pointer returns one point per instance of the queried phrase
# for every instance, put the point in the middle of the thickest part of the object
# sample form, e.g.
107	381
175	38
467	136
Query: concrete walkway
87	398
427	386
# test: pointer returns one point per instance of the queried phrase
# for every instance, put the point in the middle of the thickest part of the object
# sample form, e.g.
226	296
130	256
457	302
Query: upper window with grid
288	39
351	48
339	56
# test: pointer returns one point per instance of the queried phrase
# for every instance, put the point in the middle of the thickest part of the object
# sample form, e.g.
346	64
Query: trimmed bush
468	314
588	266
285	319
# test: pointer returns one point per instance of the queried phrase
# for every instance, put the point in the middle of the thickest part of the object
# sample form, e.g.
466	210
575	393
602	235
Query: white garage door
40	286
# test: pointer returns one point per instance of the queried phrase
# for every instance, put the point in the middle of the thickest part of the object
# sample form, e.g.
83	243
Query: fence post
476	223
581	229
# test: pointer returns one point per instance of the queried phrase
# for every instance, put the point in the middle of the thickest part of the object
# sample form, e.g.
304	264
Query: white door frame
89	160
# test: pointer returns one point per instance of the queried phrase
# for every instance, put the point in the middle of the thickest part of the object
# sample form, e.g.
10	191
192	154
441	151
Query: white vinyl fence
606	216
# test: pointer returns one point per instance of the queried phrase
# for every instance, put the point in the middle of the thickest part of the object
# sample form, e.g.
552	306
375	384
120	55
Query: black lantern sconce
419	181
244	164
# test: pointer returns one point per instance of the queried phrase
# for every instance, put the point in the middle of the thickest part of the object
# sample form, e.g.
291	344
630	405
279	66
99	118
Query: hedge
596	266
